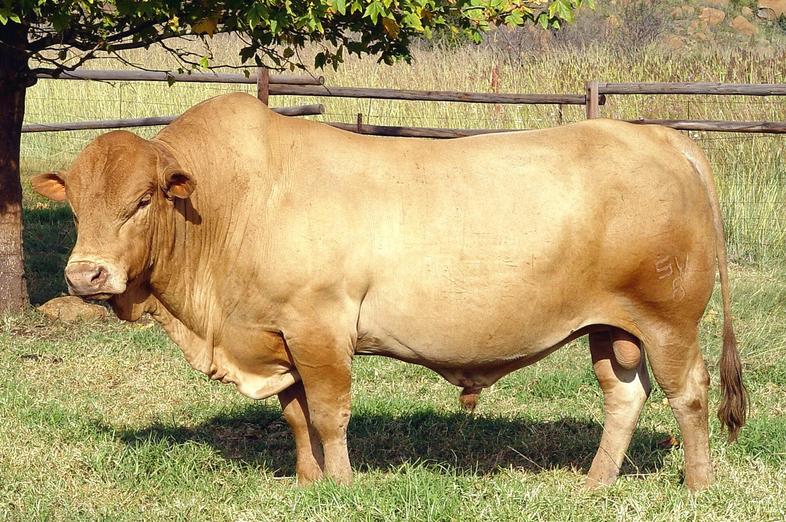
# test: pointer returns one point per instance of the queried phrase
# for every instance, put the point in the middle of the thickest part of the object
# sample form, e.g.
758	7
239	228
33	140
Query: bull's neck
199	243
193	244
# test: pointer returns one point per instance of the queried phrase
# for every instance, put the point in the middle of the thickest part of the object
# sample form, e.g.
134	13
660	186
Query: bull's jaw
135	301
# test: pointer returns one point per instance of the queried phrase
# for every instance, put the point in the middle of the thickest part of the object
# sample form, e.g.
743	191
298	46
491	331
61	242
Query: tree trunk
14	79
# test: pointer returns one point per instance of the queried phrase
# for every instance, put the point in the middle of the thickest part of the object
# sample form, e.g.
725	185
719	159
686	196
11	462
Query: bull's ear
50	185
178	184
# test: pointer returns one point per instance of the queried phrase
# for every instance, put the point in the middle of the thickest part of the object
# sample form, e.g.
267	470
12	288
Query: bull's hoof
307	475
600	480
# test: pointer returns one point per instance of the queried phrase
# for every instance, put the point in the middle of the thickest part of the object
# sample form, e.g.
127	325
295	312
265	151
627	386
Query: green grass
106	420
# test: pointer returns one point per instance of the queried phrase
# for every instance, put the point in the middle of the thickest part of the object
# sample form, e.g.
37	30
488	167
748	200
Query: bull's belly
470	342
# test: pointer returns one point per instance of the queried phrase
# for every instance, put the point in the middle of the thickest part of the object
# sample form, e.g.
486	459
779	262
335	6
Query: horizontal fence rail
153	121
446	96
413	132
719	89
197	77
770	127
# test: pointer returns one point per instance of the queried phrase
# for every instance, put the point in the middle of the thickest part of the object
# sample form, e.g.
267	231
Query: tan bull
272	250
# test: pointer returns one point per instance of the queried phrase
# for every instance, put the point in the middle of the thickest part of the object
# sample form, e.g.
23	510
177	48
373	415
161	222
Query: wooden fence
596	90
268	85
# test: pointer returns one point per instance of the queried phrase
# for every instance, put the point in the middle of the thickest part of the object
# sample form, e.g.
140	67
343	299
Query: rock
677	12
717	3
743	26
711	15
746	11
771	9
71	308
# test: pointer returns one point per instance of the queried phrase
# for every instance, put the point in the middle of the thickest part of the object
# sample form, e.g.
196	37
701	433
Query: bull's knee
627	349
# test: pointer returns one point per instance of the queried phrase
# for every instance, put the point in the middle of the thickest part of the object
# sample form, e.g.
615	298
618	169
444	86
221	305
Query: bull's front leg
308	447
323	361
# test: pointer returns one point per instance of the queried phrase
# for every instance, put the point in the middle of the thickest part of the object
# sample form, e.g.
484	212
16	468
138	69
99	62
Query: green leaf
513	19
204	62
373	11
561	9
253	17
341	6
543	20
319	60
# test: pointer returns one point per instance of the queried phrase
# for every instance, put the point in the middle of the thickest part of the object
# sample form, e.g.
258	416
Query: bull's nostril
98	275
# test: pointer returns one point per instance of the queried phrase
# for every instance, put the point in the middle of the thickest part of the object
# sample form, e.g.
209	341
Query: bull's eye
145	201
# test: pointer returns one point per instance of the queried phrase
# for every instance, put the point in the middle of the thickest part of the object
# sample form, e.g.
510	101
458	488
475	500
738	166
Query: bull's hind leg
624	392
678	367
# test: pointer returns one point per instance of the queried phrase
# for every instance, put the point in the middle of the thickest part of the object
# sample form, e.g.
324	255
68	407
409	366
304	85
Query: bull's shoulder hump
231	101
232	106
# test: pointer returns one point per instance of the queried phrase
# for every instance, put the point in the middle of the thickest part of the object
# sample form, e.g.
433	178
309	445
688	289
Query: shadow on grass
258	436
49	236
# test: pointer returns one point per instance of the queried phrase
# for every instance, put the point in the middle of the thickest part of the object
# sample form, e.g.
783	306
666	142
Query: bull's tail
734	401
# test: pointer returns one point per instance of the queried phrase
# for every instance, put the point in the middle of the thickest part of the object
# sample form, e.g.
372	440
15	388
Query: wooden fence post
263	84
592	100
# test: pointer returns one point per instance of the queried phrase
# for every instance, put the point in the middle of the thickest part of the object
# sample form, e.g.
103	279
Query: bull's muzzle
91	279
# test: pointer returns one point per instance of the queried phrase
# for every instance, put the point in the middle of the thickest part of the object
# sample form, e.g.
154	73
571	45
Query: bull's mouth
97	297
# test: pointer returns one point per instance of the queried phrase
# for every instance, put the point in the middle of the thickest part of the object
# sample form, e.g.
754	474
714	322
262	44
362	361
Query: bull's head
118	187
